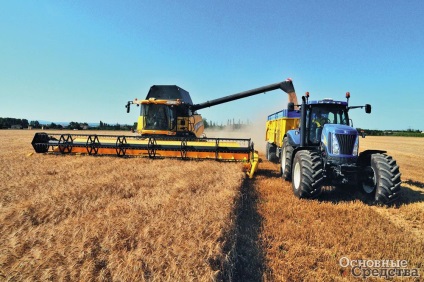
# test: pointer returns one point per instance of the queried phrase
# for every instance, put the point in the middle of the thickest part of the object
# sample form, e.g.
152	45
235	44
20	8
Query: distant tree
74	125
34	124
206	123
24	123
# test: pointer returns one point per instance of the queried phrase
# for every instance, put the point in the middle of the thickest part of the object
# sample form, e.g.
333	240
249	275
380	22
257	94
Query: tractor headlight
356	147
335	144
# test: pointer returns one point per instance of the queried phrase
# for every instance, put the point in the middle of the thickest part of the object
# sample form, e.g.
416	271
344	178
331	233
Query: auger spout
286	86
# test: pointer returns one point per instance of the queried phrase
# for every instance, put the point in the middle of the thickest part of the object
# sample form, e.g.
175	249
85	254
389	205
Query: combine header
168	126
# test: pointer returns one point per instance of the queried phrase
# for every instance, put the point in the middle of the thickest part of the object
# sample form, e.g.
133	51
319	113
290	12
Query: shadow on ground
268	173
352	193
249	260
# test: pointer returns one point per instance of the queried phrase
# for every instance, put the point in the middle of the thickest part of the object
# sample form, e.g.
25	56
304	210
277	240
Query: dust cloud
254	131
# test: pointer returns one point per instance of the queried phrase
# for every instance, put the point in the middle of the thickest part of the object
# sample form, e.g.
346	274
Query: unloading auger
168	126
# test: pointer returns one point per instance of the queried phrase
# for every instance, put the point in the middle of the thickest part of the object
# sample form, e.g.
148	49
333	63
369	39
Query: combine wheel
286	159
382	179
307	174
151	147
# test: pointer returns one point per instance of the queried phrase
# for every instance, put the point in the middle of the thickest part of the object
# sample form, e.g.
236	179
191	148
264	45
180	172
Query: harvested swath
107	218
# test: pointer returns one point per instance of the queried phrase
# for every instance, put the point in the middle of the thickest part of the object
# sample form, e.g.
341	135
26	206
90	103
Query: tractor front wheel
307	174
382	179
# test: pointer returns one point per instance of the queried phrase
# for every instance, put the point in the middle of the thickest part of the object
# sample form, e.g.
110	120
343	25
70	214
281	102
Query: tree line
408	132
15	123
6	123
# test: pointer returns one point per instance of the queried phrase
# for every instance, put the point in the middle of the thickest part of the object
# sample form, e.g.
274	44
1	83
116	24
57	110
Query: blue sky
82	60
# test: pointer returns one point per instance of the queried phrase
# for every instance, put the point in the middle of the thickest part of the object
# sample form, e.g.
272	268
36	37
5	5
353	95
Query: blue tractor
324	151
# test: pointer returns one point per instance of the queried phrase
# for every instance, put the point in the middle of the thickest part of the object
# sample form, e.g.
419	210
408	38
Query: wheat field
112	219
86	218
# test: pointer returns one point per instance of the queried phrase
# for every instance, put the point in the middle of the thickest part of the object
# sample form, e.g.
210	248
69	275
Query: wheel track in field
249	262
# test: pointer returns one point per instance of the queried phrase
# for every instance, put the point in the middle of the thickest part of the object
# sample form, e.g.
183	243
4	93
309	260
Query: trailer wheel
382	179
271	152
286	159
267	151
307	174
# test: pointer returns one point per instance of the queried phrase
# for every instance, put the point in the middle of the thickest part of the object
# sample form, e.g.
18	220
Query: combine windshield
319	115
158	117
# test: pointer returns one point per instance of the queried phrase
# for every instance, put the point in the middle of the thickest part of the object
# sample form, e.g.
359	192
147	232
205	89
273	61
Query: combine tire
307	174
271	151
286	160
382	179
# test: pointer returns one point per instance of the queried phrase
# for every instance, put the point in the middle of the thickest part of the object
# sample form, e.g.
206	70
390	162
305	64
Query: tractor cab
320	113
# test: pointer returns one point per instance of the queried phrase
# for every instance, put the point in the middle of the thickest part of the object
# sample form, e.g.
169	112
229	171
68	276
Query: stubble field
112	219
305	240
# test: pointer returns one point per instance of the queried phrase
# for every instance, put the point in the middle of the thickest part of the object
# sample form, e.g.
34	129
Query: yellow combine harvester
168	126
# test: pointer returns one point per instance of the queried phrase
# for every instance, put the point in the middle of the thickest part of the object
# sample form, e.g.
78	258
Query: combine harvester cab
168	126
317	146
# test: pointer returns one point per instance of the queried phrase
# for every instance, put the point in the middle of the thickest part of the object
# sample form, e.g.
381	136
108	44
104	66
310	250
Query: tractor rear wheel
286	159
307	174
382	179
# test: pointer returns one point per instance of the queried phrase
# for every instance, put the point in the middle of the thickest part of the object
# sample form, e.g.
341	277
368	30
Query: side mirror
290	106
368	108
128	105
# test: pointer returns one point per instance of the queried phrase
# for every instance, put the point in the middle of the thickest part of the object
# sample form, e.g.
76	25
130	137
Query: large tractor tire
307	174
286	160
271	152
381	179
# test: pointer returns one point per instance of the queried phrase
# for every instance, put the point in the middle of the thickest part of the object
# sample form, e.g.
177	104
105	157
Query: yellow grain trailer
277	126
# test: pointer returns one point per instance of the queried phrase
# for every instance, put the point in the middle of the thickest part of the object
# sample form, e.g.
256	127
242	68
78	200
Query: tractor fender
364	158
293	137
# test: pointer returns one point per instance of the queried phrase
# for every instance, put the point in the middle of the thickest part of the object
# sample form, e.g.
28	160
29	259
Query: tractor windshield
158	117
321	114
